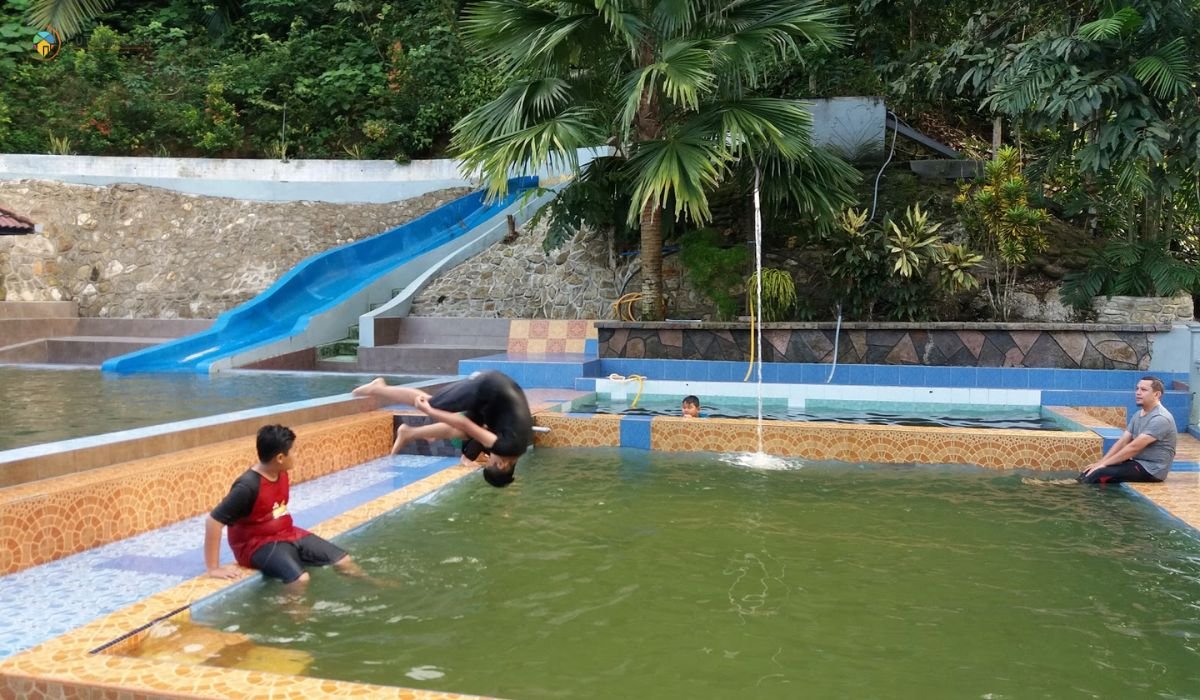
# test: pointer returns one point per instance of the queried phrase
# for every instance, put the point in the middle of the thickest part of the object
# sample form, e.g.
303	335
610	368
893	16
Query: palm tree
669	82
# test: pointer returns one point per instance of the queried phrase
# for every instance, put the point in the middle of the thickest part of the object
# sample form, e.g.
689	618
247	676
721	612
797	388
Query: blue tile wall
1062	387
635	432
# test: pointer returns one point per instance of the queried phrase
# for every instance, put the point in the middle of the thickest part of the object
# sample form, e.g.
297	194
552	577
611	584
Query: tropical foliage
778	294
1002	224
260	78
898	269
669	83
1099	101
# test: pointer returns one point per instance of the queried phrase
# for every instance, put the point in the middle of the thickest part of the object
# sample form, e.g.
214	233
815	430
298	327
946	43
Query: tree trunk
997	136
648	124
651	225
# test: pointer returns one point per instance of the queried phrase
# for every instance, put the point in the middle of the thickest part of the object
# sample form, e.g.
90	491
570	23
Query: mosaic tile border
48	519
47	460
992	448
66	666
998	449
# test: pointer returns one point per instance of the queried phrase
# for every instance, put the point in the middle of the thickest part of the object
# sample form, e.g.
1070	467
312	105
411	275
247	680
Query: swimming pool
617	573
45	405
833	411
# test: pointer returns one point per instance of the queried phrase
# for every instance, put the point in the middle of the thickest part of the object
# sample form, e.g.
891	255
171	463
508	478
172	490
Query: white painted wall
853	126
338	181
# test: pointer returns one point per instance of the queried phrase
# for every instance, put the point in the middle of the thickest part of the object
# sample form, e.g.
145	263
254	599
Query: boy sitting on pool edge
261	532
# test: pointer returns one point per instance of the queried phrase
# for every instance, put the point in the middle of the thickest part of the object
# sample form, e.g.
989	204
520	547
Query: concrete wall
336	181
853	126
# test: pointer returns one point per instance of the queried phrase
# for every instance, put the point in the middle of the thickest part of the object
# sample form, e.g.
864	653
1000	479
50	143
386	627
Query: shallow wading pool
835	411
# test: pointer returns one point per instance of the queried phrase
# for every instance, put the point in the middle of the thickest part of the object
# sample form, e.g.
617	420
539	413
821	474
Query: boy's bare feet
369	388
403	437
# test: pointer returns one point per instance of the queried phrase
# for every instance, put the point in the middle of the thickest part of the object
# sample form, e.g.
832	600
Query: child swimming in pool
690	407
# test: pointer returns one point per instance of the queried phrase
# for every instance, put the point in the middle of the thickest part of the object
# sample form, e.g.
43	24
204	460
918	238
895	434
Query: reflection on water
44	405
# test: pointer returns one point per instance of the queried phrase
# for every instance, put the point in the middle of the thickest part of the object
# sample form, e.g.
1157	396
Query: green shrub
715	270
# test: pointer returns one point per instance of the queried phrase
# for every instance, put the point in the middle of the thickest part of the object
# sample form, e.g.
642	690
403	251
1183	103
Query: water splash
761	460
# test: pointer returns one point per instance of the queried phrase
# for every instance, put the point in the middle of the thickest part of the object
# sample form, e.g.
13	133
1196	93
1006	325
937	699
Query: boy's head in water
499	470
691	407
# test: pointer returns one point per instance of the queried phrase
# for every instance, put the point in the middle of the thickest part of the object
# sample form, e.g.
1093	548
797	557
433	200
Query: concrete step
93	349
345	347
464	332
39	309
430	330
142	327
409	358
338	363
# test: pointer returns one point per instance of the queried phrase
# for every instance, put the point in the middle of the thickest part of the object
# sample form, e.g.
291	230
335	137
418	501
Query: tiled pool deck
146	577
134	568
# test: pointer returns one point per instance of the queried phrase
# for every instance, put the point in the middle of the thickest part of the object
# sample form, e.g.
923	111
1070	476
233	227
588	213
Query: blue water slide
316	286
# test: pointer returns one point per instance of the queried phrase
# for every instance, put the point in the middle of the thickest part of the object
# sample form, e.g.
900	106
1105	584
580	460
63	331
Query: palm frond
819	183
510	34
749	28
1167	72
759	124
551	143
1120	22
674	17
682	169
626	24
686	68
522	104
66	16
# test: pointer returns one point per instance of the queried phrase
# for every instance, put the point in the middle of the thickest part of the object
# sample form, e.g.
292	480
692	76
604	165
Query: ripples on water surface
626	574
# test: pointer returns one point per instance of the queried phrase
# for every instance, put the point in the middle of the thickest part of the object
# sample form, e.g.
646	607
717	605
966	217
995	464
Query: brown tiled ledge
24	464
891	326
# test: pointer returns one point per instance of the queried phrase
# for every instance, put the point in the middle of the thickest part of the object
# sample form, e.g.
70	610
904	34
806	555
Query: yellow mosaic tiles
549	336
65	668
1110	416
45	520
600	430
1042	450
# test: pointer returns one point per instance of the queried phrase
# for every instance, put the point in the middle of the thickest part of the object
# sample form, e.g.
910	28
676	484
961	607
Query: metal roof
13	223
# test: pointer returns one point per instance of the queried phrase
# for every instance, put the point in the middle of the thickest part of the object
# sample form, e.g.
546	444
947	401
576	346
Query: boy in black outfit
487	410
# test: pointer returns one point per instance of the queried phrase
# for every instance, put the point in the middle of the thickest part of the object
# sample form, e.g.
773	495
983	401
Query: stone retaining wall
131	251
1081	346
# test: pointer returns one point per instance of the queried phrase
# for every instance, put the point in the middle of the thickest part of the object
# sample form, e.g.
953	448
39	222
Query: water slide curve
316	286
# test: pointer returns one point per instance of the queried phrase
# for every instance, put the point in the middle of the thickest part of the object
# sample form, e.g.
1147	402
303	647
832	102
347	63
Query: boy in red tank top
261	533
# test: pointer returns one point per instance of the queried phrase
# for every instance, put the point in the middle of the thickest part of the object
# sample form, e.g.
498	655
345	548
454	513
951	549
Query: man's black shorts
285	560
1129	470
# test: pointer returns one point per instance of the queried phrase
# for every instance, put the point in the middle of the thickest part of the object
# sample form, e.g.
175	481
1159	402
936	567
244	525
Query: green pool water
44	405
628	574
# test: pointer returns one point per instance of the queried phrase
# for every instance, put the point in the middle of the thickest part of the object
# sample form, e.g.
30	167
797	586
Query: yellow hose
751	367
631	378
623	307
